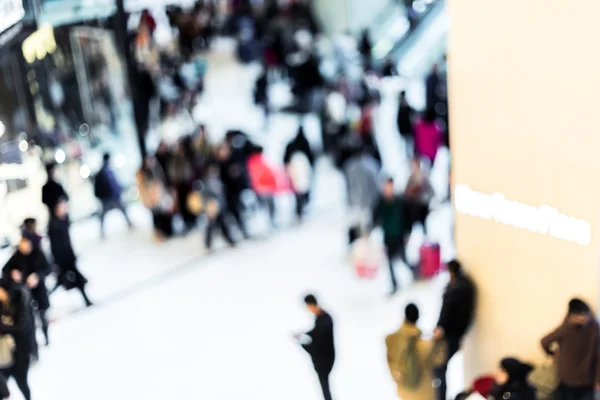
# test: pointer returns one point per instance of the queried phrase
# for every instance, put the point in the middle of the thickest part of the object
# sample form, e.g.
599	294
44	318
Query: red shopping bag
366	258
266	179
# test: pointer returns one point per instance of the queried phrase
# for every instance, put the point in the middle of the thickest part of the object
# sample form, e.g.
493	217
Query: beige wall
524	80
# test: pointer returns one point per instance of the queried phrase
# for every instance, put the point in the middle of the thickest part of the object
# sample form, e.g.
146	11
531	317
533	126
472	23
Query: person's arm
598	365
4	392
375	220
553	337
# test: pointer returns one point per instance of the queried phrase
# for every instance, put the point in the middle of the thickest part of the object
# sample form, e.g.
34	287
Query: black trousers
324	381
20	371
43	318
394	246
565	392
234	207
301	202
217	223
440	372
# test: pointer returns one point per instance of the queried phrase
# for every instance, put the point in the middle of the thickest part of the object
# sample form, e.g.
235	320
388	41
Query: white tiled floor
174	323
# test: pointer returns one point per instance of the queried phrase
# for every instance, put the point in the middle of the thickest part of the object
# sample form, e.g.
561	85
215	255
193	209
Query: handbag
545	378
7	346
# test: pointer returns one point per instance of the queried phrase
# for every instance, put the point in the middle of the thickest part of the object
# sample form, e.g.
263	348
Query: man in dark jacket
404	119
321	345
22	329
391	214
52	191
33	267
578	340
455	318
108	190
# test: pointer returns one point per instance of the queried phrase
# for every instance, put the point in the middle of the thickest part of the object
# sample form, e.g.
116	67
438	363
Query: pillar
525	134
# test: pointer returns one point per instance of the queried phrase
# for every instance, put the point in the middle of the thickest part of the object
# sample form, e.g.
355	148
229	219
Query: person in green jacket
390	213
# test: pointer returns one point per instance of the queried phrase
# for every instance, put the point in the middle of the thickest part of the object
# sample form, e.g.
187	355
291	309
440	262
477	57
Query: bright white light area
23	145
60	156
2	128
134	193
120	160
84	171
543	219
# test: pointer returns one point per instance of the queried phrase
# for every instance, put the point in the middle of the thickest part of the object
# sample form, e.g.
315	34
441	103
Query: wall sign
543	219
11	12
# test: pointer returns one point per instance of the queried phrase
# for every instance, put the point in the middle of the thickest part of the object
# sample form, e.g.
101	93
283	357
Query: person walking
578	351
404	121
390	213
108	190
299	162
216	208
34	268
52	191
17	320
428	136
362	177
181	176
320	343
411	358
64	257
458	308
418	194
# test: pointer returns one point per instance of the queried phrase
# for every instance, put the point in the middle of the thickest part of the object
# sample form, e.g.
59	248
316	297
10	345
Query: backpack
409	365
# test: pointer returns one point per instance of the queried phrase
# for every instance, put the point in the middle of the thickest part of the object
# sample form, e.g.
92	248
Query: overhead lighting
60	156
84	171
23	145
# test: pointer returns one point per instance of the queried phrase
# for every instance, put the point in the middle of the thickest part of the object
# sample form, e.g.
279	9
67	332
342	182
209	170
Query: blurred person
364	47
216	207
156	196
17	321
512	381
319	343
362	177
108	190
234	176
390	213
202	152
428	136
163	158
456	316
52	191
432	83
299	162
404	122
29	232
418	194
266	180
34	268
366	128
148	21
578	352
69	276
411	359
181	177
261	92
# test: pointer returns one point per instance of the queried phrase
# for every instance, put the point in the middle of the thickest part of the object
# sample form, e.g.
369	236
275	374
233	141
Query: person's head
388	188
106	158
411	313
312	304
512	370
403	97
50	170
30	224
60	210
24	246
455	269
435	69
580	313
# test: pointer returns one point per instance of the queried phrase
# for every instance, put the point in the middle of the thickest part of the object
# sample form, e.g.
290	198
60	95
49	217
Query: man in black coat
22	329
52	191
33	267
320	347
455	318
